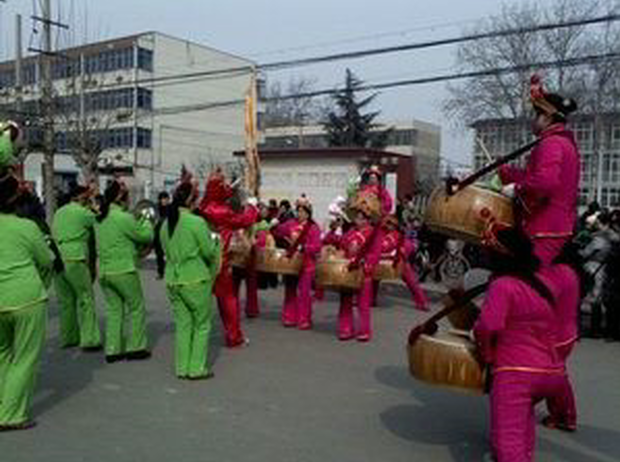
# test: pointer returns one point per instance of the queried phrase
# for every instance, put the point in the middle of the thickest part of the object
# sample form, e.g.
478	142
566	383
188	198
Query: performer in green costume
25	274
119	235
72	228
192	262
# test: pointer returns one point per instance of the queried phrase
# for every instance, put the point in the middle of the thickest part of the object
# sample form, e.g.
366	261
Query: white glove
509	190
253	201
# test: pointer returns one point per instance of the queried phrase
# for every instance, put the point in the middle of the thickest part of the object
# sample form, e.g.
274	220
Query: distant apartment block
147	120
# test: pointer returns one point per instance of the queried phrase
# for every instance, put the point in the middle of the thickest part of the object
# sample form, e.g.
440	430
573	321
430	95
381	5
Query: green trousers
124	300
22	336
78	316
193	314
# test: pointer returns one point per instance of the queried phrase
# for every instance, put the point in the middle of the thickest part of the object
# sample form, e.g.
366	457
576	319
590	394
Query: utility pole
18	65
47	90
48	116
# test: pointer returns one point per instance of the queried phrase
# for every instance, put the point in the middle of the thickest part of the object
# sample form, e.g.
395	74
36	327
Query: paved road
289	396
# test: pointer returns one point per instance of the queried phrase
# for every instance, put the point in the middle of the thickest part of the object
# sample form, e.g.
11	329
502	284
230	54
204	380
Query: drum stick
430	325
471	179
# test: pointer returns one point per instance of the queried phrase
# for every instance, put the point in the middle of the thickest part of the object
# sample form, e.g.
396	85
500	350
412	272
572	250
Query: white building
421	141
600	162
323	174
156	102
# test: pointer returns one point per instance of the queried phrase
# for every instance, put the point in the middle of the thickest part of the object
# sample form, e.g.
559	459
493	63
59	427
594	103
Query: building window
145	59
145	98
403	138
144	138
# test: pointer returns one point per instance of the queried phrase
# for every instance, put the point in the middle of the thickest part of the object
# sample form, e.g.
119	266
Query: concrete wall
199	138
322	182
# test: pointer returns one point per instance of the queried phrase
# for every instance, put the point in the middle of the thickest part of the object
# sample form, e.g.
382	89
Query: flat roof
361	153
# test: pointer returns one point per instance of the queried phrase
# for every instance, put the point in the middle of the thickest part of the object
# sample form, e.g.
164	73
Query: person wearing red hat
215	207
303	236
547	188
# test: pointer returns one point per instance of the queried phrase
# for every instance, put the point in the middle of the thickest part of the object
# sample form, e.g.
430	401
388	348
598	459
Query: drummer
516	335
547	188
372	182
398	249
303	236
355	243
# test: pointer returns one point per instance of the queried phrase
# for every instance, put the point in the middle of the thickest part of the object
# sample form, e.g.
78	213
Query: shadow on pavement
63	373
433	418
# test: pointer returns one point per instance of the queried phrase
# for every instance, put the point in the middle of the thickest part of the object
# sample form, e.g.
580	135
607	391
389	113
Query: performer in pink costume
356	244
303	236
216	209
371	183
516	335
399	249
547	188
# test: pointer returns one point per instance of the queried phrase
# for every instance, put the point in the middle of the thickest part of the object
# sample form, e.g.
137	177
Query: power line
437	43
279	65
573	62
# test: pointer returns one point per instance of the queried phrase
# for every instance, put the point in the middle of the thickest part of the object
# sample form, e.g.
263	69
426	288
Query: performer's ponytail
179	199
109	196
9	190
522	264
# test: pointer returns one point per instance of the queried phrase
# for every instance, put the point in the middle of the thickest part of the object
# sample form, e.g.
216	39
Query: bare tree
505	95
290	106
84	118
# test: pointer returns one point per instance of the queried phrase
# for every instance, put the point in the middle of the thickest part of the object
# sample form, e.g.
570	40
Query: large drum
447	360
462	215
332	272
275	260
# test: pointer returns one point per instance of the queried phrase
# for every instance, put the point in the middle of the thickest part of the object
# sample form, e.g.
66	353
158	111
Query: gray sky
280	29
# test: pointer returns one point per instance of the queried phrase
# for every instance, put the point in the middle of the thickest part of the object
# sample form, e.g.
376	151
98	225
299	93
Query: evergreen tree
347	126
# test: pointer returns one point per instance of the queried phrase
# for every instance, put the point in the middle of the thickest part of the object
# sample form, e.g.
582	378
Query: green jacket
25	263
119	237
193	251
6	149
71	228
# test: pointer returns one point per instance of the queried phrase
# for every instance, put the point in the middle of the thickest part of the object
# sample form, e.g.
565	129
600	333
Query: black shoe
207	376
137	355
15	427
114	358
92	349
